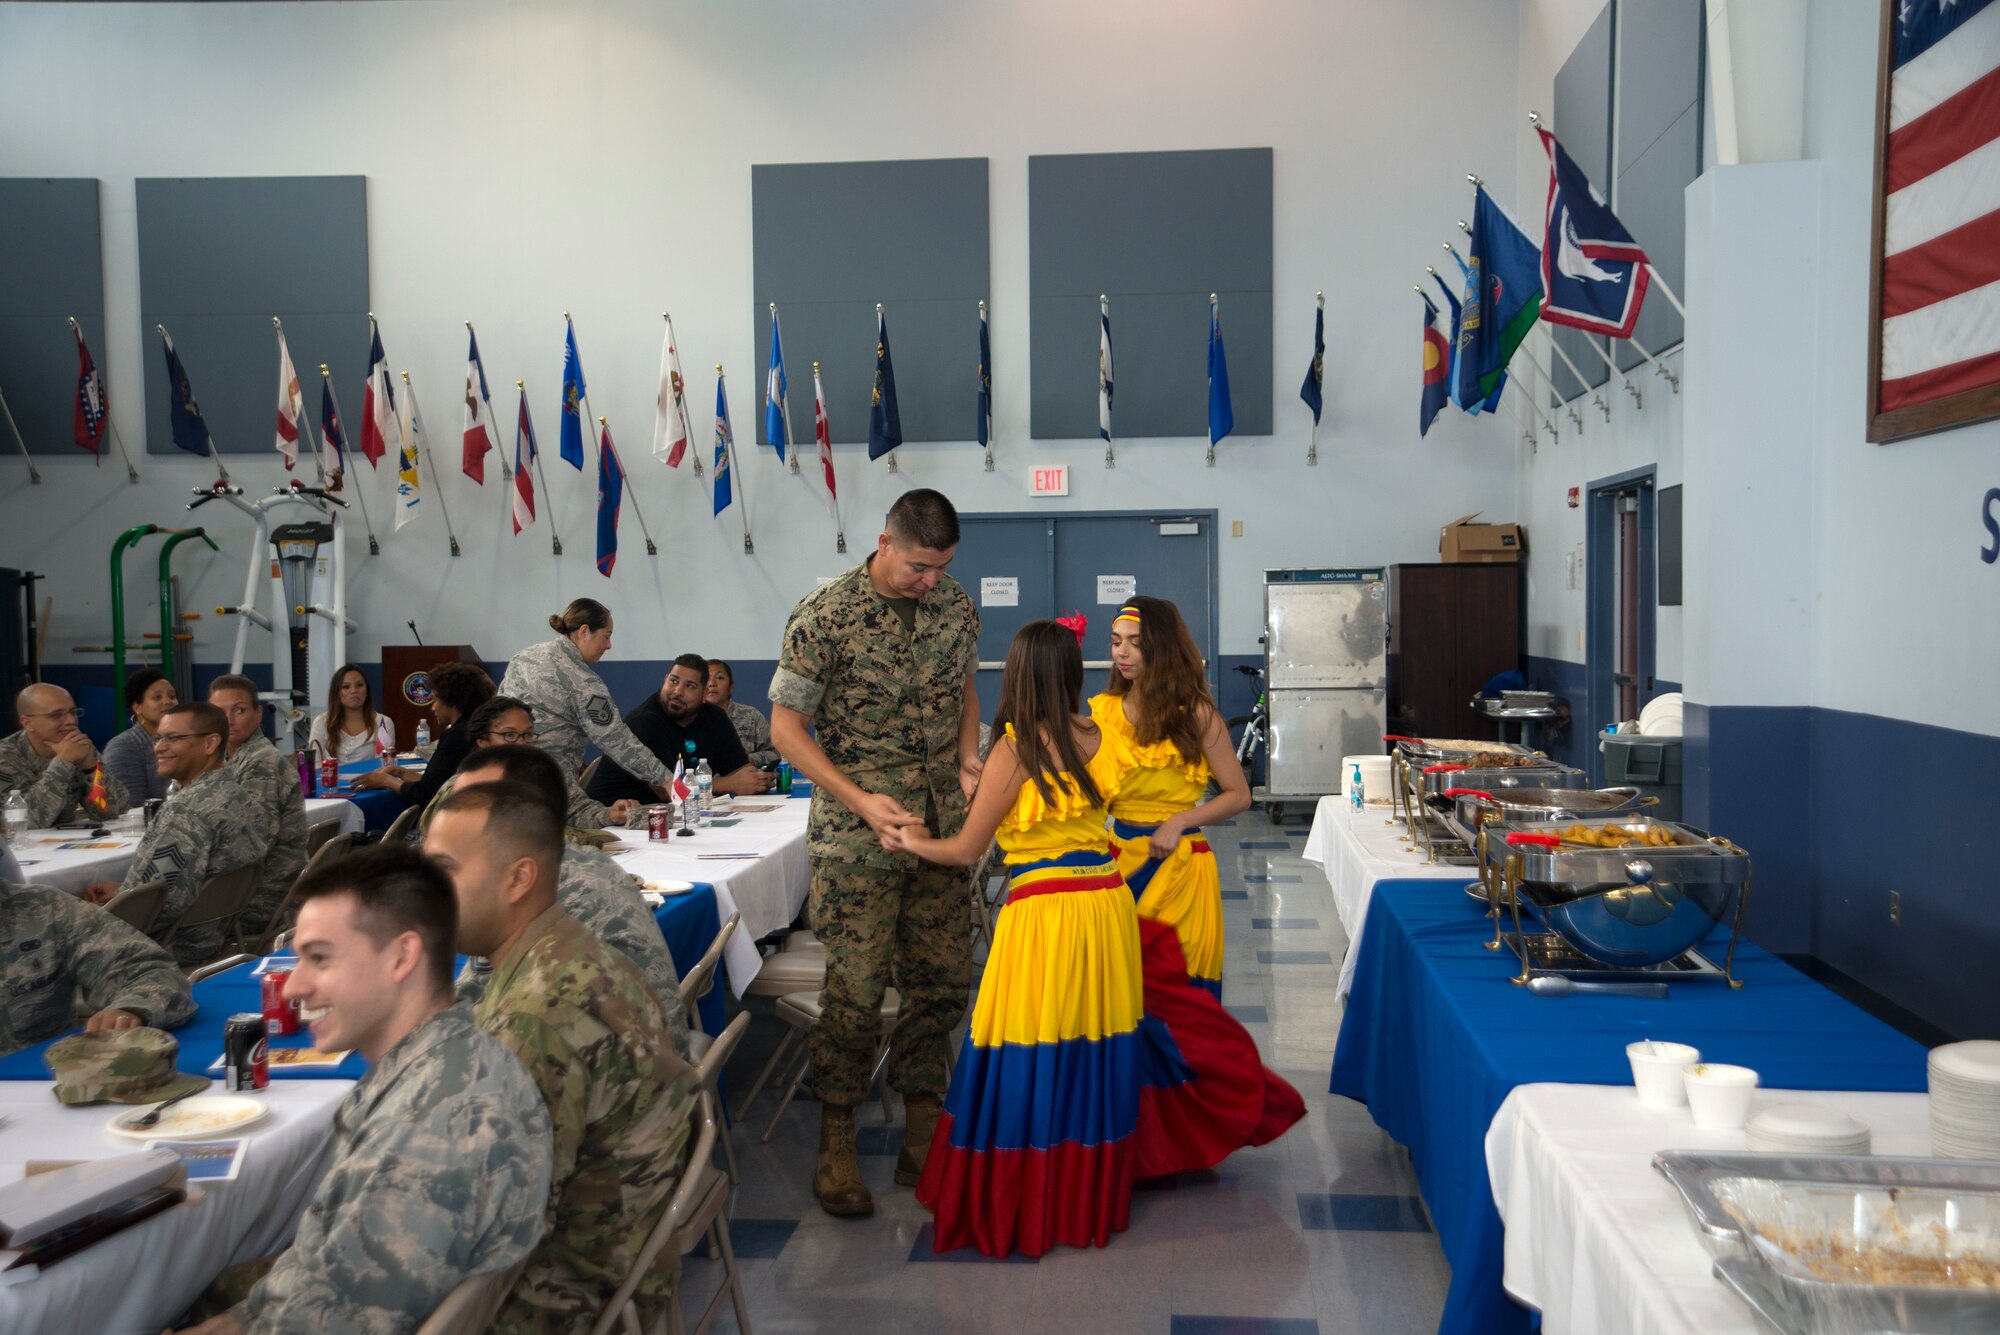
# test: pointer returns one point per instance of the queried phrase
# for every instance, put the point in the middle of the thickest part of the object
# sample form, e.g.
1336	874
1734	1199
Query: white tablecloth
143	1278
768	888
1356	850
1597	1240
44	862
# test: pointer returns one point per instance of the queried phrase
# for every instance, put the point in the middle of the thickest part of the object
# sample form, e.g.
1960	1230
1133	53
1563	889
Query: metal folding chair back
696	982
139	906
469	1308
220	899
399	829
320	832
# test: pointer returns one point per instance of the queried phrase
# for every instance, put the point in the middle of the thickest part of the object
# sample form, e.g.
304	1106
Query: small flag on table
610	495
570	445
91	415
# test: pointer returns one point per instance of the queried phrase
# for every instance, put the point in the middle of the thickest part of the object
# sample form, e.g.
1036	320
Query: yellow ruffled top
1034	829
1162	783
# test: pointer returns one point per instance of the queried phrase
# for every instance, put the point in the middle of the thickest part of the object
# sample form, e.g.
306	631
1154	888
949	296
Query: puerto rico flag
88	422
380	431
1939	228
1593	273
524	454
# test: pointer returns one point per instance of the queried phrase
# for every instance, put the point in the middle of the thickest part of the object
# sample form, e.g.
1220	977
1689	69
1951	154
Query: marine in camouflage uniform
596	1041
605	900
57	952
887	706
208	827
271	778
573	709
441	1171
56	791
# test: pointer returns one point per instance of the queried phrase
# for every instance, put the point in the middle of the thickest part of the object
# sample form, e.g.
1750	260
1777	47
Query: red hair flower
1077	623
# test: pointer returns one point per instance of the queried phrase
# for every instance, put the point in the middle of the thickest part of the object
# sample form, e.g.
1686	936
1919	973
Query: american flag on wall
1935	359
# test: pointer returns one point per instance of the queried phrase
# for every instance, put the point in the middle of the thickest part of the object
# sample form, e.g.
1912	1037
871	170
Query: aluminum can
246	1053
329	775
280	1015
784	776
153	805
659	822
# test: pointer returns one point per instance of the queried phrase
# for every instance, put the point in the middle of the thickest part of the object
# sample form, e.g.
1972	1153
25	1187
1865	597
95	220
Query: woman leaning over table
351	723
573	708
128	757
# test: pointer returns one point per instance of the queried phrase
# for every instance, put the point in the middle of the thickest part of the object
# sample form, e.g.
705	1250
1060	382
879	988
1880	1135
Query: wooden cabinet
1452	628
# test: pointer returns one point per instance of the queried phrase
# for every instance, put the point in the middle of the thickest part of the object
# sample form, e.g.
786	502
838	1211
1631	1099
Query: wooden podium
406	692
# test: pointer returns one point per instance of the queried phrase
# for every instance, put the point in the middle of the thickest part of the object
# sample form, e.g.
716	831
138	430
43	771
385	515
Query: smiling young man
272	780
53	763
442	1151
880	663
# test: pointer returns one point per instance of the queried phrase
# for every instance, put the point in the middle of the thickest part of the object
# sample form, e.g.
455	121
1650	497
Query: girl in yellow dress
1158	704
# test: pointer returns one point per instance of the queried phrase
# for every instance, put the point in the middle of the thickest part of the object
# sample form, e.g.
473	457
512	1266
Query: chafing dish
1850	1246
1472	808
1410	756
1637	906
1486	771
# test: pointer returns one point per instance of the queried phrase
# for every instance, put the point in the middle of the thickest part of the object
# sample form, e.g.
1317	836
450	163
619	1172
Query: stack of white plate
1799	1128
1662	716
1965	1100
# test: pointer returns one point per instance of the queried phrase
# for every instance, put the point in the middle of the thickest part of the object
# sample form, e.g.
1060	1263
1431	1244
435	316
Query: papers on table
207	1161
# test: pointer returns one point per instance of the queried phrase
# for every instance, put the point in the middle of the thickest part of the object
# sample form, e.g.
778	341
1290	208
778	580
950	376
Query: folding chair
140	905
802	1011
214	967
266	941
399	829
590	772
697	982
321	831
699	1209
220	899
469	1308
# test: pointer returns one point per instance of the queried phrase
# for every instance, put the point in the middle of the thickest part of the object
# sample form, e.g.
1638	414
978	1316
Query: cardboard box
1462	542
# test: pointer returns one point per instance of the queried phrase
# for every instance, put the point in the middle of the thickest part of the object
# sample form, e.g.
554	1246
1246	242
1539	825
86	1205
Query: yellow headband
1126	614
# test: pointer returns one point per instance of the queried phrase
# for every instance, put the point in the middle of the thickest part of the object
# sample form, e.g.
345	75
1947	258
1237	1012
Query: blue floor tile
878	1139
1236	894
1377	1214
1293	957
921	1251
1274	879
1282	924
1243	1325
1253	843
756	1239
1250	1014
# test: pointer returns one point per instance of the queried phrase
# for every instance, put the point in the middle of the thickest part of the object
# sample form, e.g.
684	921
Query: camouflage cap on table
119	1066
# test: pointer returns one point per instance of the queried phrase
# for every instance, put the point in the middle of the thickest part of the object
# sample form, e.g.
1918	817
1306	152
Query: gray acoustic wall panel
51	267
1156	232
218	257
1583	123
830	240
1659	149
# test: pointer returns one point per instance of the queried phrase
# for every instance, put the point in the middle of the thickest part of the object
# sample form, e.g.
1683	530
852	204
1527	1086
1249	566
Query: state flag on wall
610	496
885	421
379	429
524	456
183	413
671	428
91	415
1503	297
1593	273
330	431
570	442
291	406
725	491
1221	413
479	434
1437	359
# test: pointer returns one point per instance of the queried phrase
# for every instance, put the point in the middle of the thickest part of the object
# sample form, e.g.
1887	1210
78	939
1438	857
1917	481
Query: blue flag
775	430
985	383
1221	416
1315	380
190	432
885	424
610	495
1437	358
1492	401
1503	298
1594	274
572	404
724	447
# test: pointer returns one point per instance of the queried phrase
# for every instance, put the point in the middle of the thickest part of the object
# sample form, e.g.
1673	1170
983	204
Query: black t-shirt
708	735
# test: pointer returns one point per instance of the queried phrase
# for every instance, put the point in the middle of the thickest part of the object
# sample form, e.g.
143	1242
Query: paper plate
667	887
200	1118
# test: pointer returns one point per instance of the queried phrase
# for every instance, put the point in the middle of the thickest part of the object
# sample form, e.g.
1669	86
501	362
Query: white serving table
1357	850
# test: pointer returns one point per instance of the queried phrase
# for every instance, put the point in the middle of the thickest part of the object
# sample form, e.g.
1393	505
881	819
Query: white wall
526	157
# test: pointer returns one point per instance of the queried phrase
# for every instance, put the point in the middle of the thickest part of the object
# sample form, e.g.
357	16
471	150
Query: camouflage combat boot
837	1176
920	1118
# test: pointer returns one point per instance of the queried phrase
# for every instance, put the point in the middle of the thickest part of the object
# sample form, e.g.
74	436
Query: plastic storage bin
1650	764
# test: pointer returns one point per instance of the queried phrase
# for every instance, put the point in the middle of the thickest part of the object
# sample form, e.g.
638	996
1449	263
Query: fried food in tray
1617	836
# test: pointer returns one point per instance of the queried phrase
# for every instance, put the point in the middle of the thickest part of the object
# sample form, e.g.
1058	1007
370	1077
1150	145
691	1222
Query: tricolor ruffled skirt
1183	890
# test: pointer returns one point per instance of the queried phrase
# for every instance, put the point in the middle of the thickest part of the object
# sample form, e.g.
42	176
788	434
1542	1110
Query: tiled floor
1318	1234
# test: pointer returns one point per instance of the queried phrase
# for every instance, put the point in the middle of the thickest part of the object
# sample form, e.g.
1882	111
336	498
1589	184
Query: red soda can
659	822
280	1015
329	775
246	1053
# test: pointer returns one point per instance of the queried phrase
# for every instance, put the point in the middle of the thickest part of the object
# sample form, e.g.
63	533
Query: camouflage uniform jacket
55	789
605	901
594	1039
272	780
754	731
440	1172
55	949
573	709
885	705
209	826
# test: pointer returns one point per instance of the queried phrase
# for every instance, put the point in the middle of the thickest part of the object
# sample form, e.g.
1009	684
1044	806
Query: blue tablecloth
1435	1036
689	922
379	806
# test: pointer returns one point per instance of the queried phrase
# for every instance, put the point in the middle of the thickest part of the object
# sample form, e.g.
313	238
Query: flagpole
1630	388
625	479
424	449
785	407
681	407
319	464
34	473
326	379
506	469
1556	347
833	492
729	456
548	497
131	473
1666	291
1526	434
1312	442
1673	380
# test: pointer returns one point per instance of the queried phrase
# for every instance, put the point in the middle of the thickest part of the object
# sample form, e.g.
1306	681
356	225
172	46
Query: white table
44	862
767	888
1597	1240
139	1280
1356	850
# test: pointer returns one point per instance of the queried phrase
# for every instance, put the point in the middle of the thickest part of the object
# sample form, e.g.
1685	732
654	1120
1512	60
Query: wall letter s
1991	553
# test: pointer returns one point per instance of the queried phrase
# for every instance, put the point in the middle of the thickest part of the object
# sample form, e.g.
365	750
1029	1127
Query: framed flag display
1934	283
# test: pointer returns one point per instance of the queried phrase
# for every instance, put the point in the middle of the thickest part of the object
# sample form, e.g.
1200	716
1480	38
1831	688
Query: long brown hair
1040	694
1171	690
336	716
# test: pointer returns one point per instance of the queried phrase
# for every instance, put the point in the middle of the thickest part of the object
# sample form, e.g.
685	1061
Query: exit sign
1049	481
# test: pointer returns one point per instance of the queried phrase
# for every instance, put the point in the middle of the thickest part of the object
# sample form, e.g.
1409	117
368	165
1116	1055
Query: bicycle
1256	724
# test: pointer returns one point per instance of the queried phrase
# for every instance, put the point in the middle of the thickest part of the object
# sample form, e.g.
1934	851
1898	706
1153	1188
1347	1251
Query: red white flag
679	785
92	412
479	435
380	431
671	430
291	406
524	457
823	433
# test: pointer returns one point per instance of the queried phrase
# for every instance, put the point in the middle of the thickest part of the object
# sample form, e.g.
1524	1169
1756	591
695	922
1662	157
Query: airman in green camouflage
880	663
56	951
592	1036
272	780
53	763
